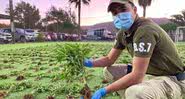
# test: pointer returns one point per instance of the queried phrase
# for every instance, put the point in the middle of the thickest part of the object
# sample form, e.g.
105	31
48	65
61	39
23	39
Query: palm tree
144	4
78	5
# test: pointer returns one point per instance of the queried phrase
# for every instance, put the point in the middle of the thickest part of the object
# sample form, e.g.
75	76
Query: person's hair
115	5
131	3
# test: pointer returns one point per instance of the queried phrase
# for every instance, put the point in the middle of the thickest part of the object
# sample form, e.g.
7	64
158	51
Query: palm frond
86	2
77	2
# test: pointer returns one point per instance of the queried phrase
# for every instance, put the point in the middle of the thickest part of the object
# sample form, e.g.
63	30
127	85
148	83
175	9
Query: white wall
90	32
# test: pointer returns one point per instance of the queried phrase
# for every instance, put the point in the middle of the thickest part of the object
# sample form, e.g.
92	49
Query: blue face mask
123	20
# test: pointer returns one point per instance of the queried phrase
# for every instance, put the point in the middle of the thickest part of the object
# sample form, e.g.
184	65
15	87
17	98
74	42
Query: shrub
40	37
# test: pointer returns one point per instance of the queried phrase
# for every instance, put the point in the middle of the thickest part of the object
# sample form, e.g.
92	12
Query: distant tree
60	20
169	27
144	4
179	18
39	25
78	5
26	15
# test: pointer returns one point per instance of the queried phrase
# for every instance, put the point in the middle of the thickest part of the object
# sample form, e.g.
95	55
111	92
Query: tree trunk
144	11
79	12
79	19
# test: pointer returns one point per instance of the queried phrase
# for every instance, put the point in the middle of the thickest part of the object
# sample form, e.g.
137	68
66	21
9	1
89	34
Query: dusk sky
96	12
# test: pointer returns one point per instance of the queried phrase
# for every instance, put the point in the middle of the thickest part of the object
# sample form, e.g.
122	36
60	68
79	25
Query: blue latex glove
81	97
99	93
88	63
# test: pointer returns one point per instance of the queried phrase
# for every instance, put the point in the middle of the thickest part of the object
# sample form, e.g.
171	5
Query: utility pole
12	20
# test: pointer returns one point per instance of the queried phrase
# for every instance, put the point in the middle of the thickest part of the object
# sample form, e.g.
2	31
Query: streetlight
23	21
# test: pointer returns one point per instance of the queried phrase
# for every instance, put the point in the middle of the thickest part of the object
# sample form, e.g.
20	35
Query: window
99	32
7	30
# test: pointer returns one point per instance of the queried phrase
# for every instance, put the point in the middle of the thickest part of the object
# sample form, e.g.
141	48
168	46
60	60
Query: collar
133	27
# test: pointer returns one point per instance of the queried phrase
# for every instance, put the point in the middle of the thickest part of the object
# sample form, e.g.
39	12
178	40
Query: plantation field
31	70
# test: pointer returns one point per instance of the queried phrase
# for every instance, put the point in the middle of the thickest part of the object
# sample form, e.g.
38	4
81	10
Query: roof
107	25
161	20
2	16
110	26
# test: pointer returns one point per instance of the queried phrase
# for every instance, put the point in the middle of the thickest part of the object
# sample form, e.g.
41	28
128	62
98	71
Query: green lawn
37	64
41	73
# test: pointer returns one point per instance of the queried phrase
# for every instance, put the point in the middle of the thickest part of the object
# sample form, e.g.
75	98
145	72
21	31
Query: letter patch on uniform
142	47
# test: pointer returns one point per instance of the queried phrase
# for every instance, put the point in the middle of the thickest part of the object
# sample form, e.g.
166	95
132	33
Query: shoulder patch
142	47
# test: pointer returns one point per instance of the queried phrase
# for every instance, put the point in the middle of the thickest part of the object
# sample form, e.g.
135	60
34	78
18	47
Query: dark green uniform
147	39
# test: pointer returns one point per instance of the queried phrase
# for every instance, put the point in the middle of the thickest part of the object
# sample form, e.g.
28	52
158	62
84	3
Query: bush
40	37
169	27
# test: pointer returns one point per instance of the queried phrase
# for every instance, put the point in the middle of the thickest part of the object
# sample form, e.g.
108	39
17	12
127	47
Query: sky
96	12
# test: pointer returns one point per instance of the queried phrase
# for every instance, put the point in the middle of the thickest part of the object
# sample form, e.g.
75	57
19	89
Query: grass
42	73
28	45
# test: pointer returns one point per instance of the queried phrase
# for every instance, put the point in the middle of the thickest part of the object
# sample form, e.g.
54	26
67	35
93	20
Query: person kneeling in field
153	53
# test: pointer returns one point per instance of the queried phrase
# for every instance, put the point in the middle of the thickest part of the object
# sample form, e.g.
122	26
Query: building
180	34
100	30
2	16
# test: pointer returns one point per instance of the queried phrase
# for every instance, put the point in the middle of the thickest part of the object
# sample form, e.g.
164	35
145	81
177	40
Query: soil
20	78
49	71
24	69
86	92
9	67
104	81
3	76
38	78
69	97
2	94
28	96
39	63
50	97
97	87
5	61
37	69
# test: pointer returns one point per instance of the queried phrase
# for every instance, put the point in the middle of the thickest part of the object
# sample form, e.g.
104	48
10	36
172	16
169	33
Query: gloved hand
88	63
99	93
81	97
